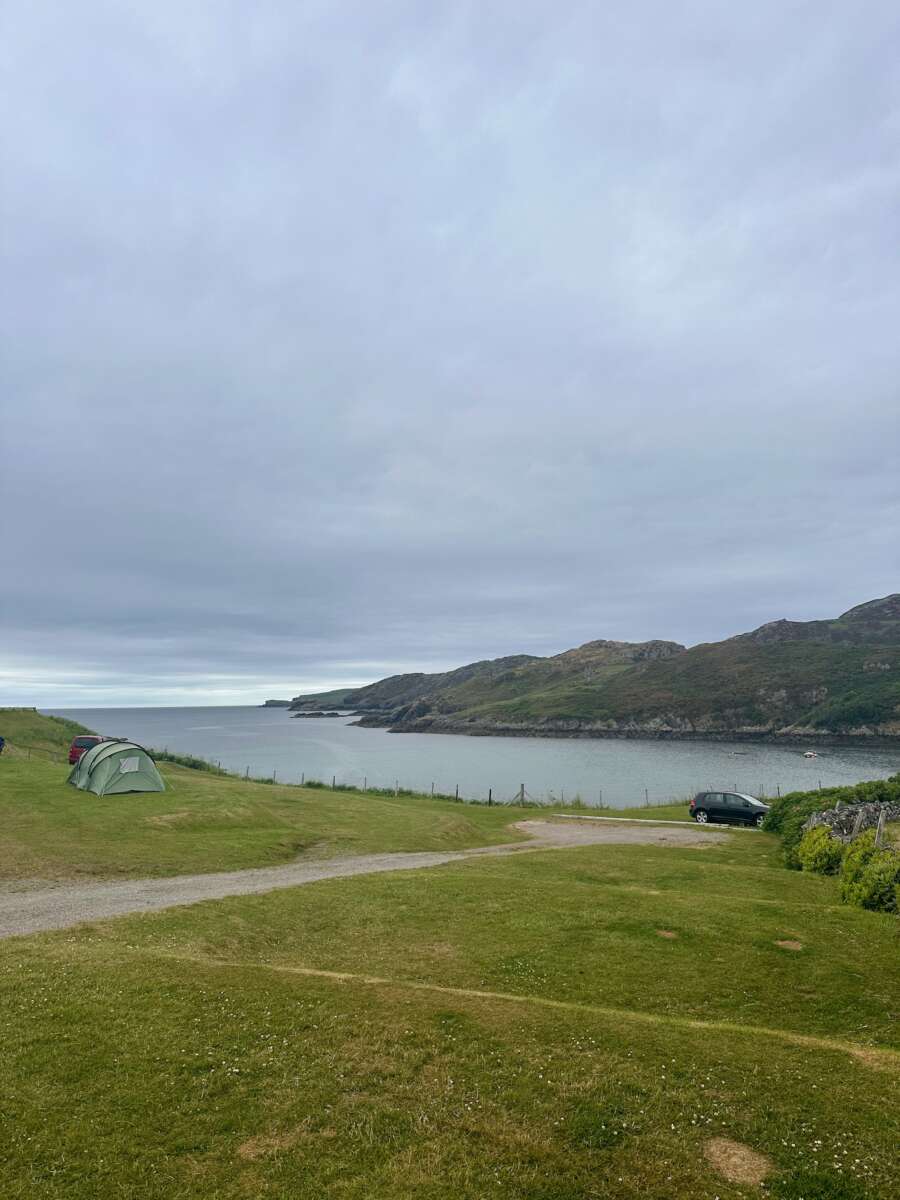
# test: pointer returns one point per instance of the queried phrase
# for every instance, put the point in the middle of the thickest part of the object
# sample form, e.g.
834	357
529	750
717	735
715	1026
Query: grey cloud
344	339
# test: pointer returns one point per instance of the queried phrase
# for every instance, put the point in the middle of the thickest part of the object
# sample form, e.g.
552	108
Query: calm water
624	773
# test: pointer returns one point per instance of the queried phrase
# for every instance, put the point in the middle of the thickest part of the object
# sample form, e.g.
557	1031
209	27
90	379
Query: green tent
110	768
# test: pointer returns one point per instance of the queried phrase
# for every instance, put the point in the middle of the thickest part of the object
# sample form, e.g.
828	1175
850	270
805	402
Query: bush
820	852
879	882
788	813
869	877
186	760
856	859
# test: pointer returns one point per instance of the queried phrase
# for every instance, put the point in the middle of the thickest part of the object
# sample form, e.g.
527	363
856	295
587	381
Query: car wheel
759	820
701	816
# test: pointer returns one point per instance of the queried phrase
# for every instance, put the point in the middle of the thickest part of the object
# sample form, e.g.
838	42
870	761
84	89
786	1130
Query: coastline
795	737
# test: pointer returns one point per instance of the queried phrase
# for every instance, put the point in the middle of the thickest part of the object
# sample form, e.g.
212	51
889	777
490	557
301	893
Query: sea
270	742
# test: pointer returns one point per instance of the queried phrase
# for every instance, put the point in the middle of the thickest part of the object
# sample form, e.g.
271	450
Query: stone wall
843	821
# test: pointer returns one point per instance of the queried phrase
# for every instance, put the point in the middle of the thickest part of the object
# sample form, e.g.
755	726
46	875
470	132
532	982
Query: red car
82	743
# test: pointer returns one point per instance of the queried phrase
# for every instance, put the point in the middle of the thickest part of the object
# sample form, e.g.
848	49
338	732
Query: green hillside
737	685
836	677
399	690
28	731
477	685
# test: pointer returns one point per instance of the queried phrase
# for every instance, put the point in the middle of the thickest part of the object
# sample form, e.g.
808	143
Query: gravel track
31	906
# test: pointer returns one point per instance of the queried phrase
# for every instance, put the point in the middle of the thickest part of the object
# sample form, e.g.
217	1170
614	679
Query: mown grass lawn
186	1054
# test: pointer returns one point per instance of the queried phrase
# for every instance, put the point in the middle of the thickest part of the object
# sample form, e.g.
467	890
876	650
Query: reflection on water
614	772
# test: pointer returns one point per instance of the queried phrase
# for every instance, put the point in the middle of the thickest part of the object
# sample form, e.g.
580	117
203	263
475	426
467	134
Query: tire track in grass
876	1057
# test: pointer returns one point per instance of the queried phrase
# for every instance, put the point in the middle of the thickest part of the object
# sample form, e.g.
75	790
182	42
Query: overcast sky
341	339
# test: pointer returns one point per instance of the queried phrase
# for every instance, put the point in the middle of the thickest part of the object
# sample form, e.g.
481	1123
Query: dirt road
33	907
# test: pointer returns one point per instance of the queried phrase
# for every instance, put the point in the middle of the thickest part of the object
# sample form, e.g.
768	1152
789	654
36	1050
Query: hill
396	691
407	697
29	732
836	678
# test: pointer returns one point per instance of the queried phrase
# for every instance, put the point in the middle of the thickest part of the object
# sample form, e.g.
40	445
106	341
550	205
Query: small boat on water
810	754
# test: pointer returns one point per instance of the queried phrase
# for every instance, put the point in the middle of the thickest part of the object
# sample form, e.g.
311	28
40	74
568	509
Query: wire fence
16	750
570	798
522	797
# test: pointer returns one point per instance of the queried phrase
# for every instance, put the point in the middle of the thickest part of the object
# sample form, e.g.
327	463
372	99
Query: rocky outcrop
417	720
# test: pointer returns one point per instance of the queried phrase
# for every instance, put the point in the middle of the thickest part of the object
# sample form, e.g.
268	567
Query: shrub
856	859
820	852
186	760
788	813
879	882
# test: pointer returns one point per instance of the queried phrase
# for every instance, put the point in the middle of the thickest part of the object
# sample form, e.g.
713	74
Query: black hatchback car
731	808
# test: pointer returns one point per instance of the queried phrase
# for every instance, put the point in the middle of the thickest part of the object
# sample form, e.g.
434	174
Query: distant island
835	680
276	704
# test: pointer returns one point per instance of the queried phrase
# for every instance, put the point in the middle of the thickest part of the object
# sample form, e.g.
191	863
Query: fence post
396	788
273	774
332	782
302	778
365	783
778	790
246	772
879	831
432	789
522	794
457	791
601	797
646	798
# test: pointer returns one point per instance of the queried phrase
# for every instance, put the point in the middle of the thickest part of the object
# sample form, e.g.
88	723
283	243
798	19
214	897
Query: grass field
560	1025
206	821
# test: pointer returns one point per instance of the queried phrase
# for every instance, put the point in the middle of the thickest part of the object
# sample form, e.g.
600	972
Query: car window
737	802
85	741
714	798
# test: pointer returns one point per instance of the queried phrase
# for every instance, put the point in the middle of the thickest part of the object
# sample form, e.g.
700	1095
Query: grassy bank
29	733
516	1028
